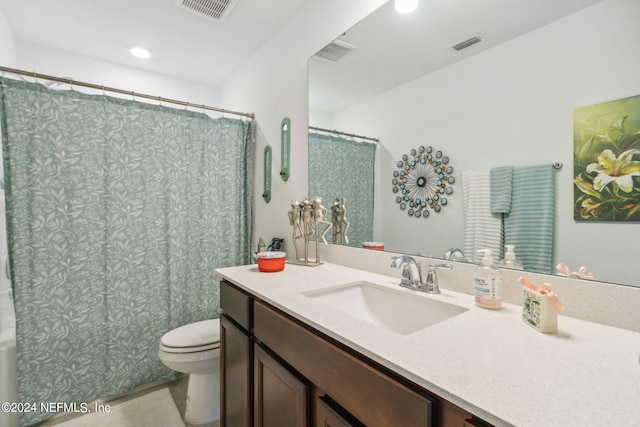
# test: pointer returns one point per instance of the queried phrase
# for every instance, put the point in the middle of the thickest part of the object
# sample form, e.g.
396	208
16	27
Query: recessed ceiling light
140	52
406	6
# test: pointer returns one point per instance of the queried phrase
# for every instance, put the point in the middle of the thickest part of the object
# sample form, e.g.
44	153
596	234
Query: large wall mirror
506	100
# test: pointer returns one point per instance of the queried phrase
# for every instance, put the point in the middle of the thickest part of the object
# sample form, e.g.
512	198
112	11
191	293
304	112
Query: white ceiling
393	49
183	44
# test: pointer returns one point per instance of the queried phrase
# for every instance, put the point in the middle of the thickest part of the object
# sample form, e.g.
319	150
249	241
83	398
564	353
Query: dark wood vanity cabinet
278	372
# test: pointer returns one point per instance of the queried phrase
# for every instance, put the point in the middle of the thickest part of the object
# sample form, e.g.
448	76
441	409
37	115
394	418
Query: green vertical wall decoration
285	147
266	194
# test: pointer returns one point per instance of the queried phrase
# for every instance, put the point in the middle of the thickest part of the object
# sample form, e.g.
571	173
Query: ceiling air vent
335	50
217	10
474	39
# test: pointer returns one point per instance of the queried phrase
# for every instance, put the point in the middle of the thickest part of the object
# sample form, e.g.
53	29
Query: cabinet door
326	416
235	380
281	398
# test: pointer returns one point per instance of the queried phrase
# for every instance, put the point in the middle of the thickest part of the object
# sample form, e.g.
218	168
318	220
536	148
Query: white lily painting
606	164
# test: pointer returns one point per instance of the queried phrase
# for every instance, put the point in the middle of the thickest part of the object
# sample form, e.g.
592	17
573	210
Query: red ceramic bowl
270	262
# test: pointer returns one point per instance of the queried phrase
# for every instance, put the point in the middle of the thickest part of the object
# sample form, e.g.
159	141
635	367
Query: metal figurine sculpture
344	224
295	216
320	217
335	207
340	223
306	218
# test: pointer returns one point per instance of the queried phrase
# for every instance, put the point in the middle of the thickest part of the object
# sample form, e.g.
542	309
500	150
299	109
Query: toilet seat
191	338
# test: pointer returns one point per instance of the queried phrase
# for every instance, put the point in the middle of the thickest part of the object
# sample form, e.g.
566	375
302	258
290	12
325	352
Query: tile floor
178	391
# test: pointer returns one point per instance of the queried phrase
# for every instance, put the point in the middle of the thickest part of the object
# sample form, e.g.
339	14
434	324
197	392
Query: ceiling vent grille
474	39
217	10
335	50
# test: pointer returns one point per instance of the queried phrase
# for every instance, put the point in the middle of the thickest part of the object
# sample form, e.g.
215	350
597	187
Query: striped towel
501	189
529	225
482	229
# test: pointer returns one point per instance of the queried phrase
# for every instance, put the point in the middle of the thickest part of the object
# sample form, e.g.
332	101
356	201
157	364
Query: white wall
512	104
59	63
7	43
273	84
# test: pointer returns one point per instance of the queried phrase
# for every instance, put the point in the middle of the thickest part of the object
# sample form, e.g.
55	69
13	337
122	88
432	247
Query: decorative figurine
340	223
295	216
320	217
335	207
344	224
307	216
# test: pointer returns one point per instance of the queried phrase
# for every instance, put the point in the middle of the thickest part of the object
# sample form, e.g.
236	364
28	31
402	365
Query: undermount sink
396	310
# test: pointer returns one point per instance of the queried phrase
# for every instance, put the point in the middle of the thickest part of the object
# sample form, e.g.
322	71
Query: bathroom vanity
293	356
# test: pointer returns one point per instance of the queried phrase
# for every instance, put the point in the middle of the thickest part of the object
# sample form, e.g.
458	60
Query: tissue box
538	312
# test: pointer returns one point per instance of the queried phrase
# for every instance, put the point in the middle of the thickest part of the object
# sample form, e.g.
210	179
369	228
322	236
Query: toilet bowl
194	349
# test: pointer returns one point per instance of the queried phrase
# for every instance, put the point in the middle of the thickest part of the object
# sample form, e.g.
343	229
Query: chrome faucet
411	274
453	253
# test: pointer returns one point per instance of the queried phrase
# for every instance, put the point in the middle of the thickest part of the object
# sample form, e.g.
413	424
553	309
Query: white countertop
485	361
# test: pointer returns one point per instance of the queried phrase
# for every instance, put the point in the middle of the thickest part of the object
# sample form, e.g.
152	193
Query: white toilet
194	349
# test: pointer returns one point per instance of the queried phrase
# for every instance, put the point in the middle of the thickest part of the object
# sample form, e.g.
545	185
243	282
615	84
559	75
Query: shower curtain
118	212
339	167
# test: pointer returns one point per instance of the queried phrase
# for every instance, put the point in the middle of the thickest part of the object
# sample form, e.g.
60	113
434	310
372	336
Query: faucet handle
406	276
432	279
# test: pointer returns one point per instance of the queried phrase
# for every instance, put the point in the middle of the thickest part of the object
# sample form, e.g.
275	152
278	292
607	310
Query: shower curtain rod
344	133
73	82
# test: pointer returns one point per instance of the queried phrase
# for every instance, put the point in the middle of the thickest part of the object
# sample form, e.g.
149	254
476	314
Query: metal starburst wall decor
422	181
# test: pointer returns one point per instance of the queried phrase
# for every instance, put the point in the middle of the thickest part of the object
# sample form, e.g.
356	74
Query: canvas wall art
606	144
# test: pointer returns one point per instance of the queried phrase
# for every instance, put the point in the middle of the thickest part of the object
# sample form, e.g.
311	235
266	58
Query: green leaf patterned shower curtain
118	212
339	167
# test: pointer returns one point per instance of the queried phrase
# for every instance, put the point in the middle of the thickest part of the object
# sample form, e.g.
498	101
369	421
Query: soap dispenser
487	283
510	260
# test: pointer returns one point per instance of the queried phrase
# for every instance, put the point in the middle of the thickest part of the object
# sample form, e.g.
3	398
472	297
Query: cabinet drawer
368	394
236	304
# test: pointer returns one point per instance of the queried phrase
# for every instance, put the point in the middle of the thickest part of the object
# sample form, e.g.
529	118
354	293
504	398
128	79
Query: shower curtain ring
160	101
103	92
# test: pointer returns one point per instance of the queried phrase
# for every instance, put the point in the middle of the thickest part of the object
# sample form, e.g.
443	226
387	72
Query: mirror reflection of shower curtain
340	167
118	213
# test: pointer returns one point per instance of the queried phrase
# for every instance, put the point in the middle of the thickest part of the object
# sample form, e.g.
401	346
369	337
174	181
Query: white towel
482	229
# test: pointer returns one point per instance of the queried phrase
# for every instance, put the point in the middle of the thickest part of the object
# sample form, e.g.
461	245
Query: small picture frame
275	245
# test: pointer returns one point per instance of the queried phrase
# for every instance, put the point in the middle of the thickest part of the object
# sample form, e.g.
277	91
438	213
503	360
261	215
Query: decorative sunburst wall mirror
422	181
